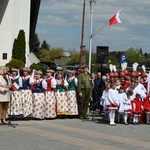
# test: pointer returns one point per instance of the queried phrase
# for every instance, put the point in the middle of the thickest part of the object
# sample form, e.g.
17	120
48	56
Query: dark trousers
83	103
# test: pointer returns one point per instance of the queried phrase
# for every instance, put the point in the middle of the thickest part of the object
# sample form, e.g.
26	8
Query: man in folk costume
111	74
49	84
71	93
16	99
144	76
26	93
125	74
38	96
84	89
61	97
146	102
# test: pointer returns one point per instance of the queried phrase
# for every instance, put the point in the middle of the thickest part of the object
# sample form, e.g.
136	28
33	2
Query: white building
16	15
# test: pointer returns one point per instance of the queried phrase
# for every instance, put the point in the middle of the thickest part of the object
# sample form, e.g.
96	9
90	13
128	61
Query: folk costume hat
14	69
26	69
135	73
144	73
71	71
38	72
50	70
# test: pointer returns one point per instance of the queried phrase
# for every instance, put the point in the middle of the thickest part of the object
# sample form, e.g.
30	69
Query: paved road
73	134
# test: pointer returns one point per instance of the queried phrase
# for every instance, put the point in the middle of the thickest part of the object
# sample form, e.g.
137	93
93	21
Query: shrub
15	63
38	67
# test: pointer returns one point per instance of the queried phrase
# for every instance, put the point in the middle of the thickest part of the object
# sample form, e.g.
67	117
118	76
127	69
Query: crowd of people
126	98
122	97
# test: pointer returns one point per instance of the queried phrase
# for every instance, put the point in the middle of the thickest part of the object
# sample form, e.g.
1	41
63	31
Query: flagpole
92	4
99	29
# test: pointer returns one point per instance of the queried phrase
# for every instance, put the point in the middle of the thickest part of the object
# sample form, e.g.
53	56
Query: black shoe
86	117
81	117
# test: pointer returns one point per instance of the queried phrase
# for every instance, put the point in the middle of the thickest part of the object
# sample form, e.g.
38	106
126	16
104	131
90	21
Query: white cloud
60	23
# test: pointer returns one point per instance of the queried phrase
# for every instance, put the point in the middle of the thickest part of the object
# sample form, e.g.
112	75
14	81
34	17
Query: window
4	56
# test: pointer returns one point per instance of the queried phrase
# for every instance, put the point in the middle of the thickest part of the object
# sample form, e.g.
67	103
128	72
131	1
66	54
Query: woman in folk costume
16	98
49	84
26	93
5	84
71	93
61	98
112	102
38	96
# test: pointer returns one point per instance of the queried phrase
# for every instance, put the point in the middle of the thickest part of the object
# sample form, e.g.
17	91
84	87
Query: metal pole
92	3
82	35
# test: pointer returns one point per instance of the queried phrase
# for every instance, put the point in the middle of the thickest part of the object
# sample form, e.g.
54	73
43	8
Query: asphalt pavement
73	134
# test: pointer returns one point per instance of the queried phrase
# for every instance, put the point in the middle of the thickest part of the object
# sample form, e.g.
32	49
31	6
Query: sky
60	24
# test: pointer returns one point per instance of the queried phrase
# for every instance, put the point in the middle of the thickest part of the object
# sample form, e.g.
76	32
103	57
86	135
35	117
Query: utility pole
82	36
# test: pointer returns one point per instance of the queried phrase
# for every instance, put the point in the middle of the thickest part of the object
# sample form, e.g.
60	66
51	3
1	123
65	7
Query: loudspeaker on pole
102	54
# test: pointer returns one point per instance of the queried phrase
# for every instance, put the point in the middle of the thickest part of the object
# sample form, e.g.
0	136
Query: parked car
51	65
44	65
59	67
69	67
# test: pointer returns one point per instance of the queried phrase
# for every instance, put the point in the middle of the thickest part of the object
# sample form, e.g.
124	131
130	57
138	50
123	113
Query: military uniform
84	87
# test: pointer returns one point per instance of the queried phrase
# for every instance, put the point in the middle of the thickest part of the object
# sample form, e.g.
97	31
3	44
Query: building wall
14	17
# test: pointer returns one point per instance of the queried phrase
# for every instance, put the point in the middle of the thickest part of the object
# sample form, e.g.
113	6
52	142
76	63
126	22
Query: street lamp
92	4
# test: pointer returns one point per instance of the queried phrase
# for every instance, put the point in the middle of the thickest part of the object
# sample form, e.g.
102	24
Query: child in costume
146	105
137	108
112	103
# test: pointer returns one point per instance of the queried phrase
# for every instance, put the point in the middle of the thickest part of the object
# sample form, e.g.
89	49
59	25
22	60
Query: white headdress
135	65
111	67
143	67
114	68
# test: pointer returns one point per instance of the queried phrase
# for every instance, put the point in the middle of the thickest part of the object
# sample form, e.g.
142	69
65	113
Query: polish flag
115	19
15	86
148	83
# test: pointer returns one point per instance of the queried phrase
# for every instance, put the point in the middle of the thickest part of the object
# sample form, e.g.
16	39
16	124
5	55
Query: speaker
102	54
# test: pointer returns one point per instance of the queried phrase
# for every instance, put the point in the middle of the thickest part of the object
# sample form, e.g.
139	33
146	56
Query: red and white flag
148	83
15	86
115	19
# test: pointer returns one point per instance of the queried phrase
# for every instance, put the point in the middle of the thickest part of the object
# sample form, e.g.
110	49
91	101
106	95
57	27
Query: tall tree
35	45
19	46
132	55
47	56
45	45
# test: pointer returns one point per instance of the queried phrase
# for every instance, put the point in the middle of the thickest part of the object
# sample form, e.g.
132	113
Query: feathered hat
135	73
144	73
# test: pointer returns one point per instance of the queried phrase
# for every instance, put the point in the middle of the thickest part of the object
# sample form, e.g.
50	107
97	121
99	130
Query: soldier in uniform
84	90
